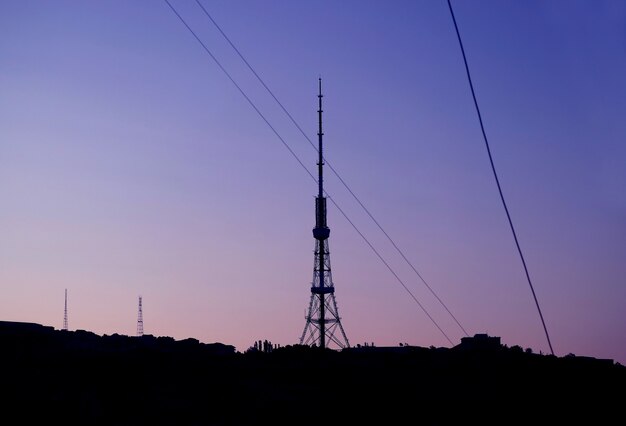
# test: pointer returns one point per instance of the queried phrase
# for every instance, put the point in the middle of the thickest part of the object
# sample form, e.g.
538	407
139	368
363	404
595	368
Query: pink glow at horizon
130	165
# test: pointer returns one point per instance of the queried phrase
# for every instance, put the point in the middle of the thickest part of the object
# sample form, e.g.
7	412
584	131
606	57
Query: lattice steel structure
323	324
140	320
65	314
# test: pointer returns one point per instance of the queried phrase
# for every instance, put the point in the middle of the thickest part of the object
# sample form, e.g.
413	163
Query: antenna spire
320	134
322	318
65	327
140	320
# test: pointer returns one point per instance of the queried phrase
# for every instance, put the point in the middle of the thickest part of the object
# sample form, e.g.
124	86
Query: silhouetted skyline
83	378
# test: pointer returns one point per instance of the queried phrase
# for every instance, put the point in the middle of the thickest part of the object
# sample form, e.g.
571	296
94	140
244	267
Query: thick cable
495	175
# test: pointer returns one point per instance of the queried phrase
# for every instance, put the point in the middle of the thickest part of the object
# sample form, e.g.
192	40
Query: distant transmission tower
140	320
322	318
65	314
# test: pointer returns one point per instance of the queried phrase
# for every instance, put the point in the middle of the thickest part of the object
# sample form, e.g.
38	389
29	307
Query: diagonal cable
388	267
206	49
495	175
332	168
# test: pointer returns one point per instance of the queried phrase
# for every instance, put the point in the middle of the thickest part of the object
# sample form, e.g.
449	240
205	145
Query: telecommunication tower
140	320
323	324
65	314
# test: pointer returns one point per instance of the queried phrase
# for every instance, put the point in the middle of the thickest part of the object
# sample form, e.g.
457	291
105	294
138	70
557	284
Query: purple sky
130	165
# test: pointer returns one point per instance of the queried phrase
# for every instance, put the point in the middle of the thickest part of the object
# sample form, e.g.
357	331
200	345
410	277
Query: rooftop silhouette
78	377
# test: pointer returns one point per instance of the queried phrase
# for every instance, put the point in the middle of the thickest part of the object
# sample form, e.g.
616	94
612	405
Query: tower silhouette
65	314
140	320
322	318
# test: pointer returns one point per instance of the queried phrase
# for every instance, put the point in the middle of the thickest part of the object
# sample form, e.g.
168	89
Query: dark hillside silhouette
64	377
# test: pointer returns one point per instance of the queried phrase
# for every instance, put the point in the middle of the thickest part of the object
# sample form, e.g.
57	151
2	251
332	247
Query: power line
332	168
232	80
206	49
390	269
495	175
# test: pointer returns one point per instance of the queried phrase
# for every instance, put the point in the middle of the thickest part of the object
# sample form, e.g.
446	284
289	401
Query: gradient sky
130	165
